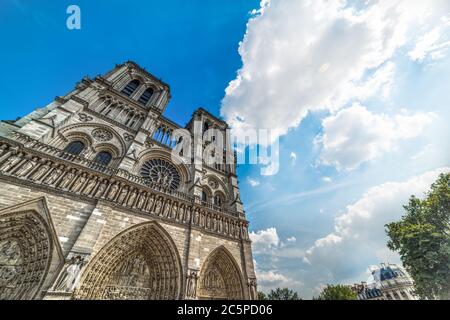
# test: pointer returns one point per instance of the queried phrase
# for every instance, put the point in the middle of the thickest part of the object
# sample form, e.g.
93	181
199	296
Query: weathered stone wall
87	226
69	215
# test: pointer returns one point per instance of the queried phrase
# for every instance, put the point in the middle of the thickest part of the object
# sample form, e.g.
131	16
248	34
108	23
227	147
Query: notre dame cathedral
92	205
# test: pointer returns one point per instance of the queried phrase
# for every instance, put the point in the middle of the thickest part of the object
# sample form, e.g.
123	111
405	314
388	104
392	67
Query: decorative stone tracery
161	172
220	277
141	263
25	255
102	135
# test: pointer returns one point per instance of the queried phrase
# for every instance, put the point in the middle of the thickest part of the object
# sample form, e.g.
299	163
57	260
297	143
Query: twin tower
92	205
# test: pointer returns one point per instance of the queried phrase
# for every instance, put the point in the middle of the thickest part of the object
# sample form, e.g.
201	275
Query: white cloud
355	135
359	233
267	243
433	44
253	182
291	239
327	179
271	277
300	56
264	240
293	157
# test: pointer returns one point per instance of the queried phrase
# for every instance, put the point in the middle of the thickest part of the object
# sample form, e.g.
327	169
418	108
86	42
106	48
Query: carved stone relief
102	135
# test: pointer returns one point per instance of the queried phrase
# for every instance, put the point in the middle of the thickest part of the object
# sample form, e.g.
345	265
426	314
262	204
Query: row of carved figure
66	178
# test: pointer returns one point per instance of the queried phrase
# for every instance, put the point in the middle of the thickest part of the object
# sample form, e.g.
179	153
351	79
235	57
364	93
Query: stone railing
45	166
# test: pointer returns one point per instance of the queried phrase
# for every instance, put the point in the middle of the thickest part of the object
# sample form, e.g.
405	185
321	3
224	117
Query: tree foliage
262	296
283	294
422	238
337	292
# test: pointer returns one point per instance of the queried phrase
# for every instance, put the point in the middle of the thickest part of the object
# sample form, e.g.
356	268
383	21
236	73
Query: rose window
161	172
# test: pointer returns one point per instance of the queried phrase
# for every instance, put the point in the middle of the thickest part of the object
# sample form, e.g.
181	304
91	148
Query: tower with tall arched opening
94	204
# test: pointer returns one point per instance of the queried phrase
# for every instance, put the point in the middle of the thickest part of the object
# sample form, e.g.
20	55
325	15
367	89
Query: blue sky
190	45
357	94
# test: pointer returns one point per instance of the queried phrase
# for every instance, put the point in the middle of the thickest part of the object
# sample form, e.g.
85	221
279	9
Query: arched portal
25	255
141	263
220	277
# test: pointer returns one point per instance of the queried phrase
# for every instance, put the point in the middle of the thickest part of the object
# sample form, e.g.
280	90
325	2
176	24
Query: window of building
205	127
161	172
145	97
218	200
103	158
75	148
204	197
131	87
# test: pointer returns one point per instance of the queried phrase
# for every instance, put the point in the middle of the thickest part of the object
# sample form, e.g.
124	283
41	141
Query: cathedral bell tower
94	205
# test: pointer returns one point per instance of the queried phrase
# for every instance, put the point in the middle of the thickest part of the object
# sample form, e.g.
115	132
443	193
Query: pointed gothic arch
30	254
141	263
220	277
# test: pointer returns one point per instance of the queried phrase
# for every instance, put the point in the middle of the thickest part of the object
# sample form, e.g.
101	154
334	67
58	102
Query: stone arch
29	252
220	185
141	263
222	196
156	91
115	152
85	130
220	277
209	193
79	136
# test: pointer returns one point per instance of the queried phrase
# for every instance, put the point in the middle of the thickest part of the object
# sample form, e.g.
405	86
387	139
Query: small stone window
75	148
218	200
131	87
145	97
103	158
204	197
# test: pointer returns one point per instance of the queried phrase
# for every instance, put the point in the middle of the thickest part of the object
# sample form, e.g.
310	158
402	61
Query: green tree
283	294
337	292
422	238
262	296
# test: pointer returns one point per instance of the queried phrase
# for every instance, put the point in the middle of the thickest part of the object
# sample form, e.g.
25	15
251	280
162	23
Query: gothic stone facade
93	207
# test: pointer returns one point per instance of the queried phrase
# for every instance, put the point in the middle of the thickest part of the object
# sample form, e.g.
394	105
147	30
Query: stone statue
140	202
90	186
167	209
51	179
150	203
67	180
9	163
191	288
122	195
252	286
43	169
25	168
101	189
158	206
132	198
174	211
113	191
79	183
70	276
